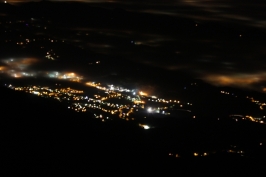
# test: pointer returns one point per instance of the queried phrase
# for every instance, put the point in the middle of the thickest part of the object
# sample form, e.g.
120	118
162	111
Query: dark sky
227	46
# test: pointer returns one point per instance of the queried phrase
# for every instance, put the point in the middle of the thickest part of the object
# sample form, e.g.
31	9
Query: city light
142	93
146	127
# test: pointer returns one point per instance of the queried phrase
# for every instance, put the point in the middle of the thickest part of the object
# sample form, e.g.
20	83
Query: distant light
5	2
146	127
149	109
142	93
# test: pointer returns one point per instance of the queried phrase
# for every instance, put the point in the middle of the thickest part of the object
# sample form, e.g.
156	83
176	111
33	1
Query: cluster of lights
237	117
231	150
69	76
51	55
102	104
261	104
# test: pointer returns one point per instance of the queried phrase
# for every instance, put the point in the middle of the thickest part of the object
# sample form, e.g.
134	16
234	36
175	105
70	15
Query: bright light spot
112	87
146	127
149	109
142	93
5	1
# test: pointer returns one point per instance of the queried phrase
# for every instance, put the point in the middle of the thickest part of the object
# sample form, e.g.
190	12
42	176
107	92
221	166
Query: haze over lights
21	67
143	93
236	79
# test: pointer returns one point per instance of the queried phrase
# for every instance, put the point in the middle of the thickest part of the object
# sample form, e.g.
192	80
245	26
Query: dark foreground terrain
42	137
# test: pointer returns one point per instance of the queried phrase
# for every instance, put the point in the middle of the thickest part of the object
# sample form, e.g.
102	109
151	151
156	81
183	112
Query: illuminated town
112	102
109	102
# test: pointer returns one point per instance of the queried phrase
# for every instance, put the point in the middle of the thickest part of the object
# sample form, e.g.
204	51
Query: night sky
222	43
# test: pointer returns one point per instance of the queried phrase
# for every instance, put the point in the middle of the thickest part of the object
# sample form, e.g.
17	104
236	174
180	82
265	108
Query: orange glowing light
143	93
238	80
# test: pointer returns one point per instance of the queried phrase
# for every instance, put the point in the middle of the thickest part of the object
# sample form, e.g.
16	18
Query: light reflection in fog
20	67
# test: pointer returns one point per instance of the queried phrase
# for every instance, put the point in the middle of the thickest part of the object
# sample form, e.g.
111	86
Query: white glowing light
146	127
